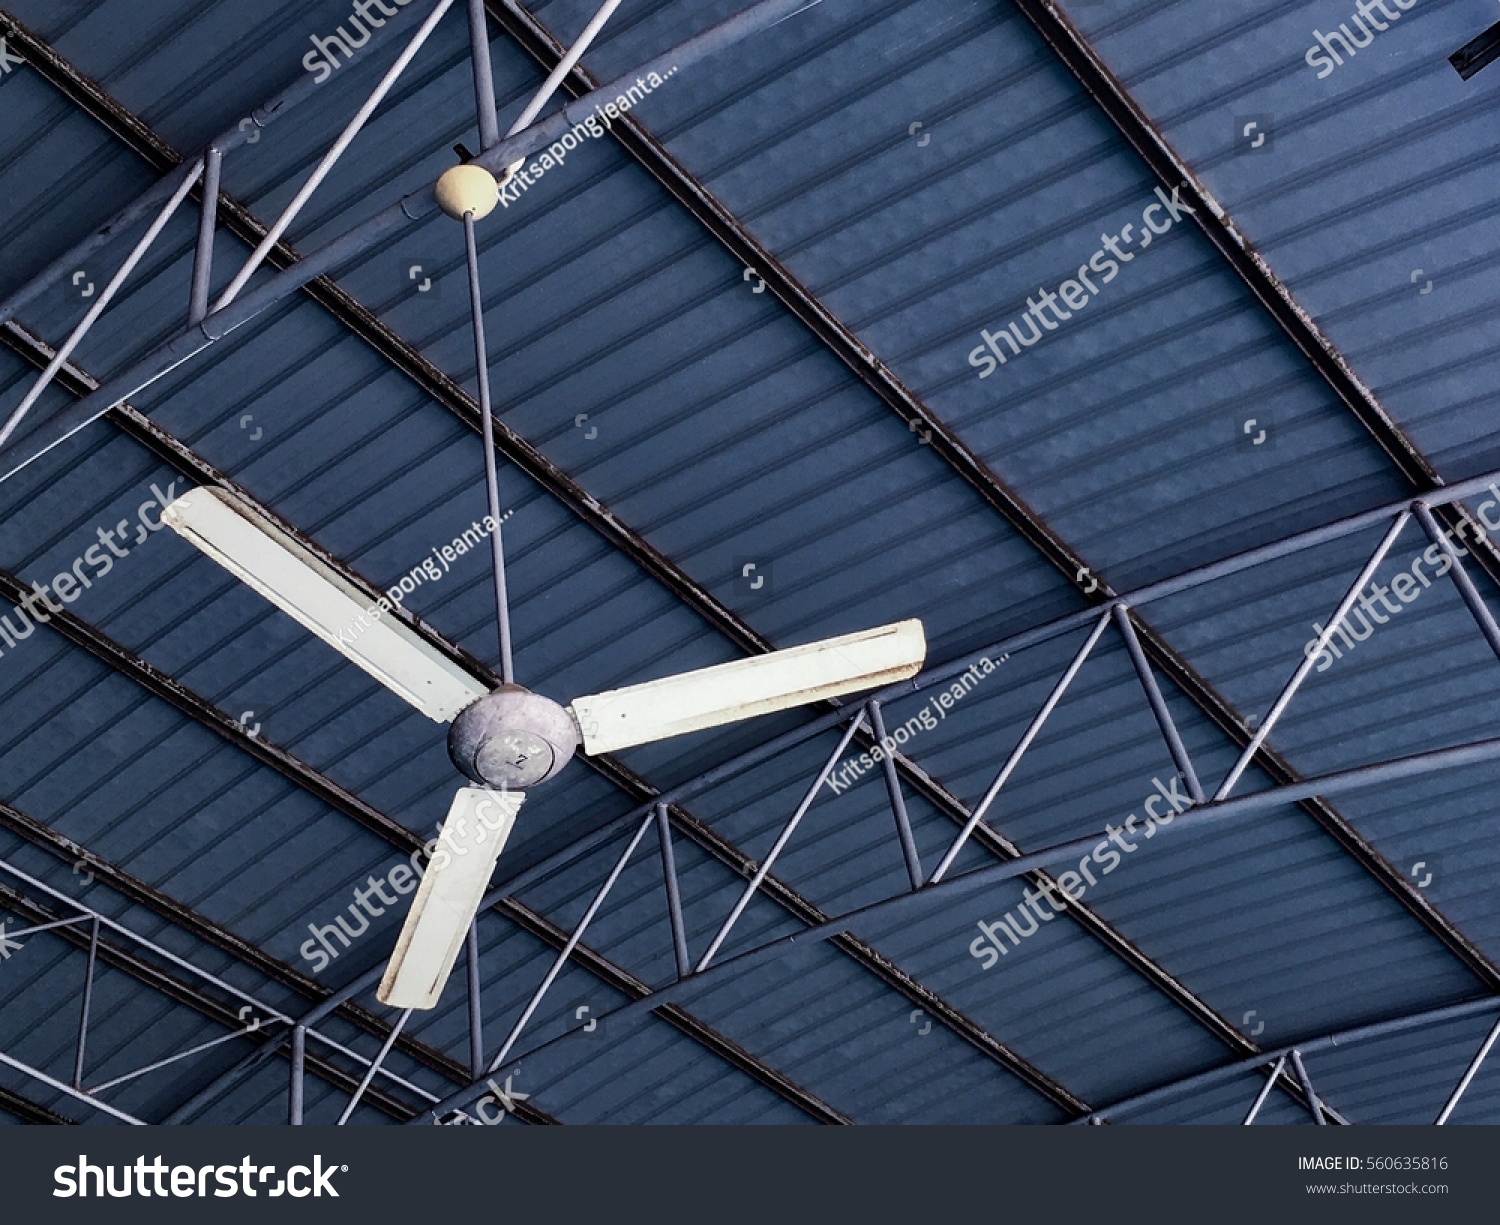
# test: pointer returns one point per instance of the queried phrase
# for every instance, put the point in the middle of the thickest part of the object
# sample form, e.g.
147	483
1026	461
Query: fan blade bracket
742	689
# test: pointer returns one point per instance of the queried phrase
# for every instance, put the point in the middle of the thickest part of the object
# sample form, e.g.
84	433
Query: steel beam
85	1005
716	846
28	1111
475	988
864	954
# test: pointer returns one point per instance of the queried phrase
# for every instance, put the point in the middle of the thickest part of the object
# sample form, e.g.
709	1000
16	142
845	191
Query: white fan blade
448	898
260	554
729	692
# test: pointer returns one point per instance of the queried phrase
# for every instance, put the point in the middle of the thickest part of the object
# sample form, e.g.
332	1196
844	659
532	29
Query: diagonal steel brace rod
1169	732
336	151
567	949
1019	751
44	380
898	801
1477	607
1307	1088
556	77
375	1067
484	75
674	893
87	1003
169	1060
1306	666
1468	1076
1265	1092
782	839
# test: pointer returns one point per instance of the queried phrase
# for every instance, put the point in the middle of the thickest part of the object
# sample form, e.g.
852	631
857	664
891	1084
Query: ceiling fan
507	739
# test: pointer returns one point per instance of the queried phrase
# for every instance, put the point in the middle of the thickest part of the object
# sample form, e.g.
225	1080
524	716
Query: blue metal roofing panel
635	354
829	1026
1127	441
1372	188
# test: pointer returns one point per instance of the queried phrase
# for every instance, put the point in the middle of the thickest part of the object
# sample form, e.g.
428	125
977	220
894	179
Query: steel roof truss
117	955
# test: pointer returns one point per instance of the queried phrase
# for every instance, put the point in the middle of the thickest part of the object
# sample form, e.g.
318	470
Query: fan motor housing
512	738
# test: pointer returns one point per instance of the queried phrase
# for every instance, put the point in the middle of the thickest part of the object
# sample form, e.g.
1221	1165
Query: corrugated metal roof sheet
634	352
